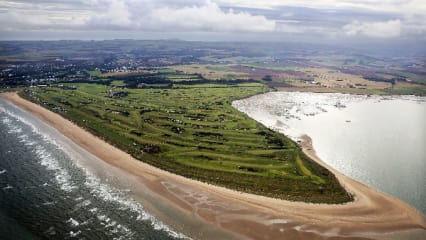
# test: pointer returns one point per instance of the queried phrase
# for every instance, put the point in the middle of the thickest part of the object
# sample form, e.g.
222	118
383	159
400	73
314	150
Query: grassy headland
193	131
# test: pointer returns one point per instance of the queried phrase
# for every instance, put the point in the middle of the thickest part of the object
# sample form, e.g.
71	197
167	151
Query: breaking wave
56	160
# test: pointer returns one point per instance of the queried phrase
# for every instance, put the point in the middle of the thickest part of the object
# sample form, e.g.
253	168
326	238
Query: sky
216	20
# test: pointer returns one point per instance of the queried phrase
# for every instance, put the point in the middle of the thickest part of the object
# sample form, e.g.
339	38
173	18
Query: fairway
193	131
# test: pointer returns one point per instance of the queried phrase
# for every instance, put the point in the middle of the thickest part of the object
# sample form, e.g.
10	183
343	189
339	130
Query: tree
267	78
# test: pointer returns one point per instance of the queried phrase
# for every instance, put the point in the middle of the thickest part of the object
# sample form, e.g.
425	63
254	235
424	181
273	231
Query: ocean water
380	141
46	193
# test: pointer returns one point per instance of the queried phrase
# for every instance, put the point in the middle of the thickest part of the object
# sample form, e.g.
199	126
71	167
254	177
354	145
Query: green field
94	73
193	131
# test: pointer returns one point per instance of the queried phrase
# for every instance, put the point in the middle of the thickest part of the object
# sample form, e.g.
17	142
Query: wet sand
373	215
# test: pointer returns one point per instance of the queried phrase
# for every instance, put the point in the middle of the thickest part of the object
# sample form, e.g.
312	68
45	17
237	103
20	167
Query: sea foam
64	179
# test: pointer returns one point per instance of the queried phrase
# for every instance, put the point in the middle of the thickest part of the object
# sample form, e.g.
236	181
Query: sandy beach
373	215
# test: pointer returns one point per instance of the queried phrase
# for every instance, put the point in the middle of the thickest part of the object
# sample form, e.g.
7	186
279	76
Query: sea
48	191
377	140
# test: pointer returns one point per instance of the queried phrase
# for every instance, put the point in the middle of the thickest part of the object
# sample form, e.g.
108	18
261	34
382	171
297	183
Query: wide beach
373	215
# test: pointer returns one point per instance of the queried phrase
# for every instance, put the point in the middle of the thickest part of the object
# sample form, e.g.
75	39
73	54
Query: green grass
418	91
194	131
94	73
304	171
118	83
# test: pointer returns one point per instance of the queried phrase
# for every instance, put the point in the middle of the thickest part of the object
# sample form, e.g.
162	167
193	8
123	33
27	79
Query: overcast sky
276	20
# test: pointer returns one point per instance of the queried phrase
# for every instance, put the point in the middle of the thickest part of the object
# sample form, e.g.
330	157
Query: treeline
380	79
149	80
96	81
136	81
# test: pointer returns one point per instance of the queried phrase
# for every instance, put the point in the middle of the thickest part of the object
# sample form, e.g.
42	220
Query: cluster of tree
150	80
380	79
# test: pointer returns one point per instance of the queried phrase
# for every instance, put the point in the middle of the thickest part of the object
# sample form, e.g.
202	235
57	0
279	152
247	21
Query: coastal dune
372	215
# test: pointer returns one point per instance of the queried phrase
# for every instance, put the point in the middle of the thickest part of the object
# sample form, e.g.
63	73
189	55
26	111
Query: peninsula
171	125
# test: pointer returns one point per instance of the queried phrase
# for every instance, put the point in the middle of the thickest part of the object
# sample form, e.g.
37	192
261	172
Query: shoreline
372	215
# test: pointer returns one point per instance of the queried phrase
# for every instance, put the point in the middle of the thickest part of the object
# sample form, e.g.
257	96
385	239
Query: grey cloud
387	29
299	19
159	16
